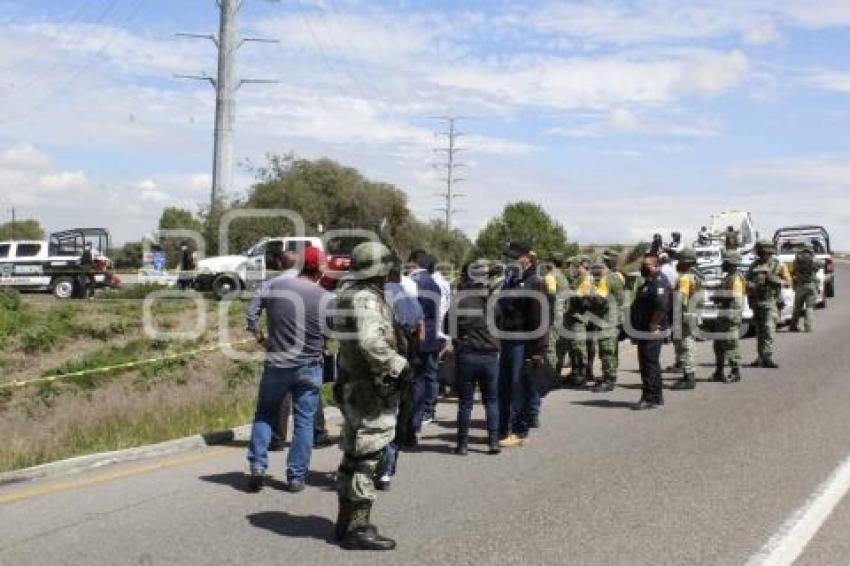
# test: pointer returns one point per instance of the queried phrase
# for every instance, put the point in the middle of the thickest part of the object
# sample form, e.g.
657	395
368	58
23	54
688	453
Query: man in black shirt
650	318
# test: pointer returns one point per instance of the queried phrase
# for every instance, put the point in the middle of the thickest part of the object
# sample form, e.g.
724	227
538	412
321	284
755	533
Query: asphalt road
707	479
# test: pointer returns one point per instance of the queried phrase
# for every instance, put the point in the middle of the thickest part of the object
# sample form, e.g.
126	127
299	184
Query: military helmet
581	260
371	259
556	256
687	255
765	245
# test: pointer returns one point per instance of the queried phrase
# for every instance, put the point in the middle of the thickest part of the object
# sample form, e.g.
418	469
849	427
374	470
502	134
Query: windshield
344	245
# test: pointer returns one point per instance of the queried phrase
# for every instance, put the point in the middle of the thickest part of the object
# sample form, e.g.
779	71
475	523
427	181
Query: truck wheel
64	287
225	284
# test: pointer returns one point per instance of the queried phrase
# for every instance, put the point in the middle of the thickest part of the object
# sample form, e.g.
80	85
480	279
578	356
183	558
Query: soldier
688	285
557	286
575	320
730	299
371	371
603	306
804	275
617	285
765	279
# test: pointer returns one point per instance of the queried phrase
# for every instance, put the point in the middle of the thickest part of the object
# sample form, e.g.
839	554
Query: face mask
645	272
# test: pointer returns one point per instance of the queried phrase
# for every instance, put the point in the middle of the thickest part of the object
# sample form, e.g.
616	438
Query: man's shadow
605	404
288	525
325	481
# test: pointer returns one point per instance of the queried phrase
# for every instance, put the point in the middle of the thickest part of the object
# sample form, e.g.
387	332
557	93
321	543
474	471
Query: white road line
791	539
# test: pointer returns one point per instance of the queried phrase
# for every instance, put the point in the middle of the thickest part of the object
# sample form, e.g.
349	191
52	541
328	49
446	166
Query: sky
619	117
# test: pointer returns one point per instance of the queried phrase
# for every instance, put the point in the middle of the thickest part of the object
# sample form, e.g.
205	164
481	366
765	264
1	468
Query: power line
451	164
226	84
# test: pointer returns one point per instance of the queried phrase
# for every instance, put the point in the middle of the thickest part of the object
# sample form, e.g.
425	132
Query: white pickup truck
790	240
225	274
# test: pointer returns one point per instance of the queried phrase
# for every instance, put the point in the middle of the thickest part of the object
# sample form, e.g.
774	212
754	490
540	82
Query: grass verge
115	432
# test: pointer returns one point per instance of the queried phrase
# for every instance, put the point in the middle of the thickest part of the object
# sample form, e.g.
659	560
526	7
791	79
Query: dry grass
156	402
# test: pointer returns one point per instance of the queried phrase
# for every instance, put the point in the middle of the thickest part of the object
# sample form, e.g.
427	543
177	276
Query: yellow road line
50	489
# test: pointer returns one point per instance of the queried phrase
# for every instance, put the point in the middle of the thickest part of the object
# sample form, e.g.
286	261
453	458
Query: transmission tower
451	164
226	84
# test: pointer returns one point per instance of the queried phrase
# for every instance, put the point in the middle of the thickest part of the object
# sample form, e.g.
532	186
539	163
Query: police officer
765	279
371	370
603	324
650	320
804	275
688	285
575	320
730	300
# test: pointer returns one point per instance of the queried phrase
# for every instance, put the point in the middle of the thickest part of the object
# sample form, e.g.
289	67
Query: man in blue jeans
521	304
426	364
295	310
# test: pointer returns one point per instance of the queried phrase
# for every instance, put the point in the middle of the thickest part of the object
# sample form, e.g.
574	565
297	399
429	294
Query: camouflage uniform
371	370
804	275
765	279
575	320
557	288
688	286
603	305
731	300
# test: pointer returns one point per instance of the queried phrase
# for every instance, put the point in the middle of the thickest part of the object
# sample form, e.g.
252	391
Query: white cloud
624	121
23	156
838	81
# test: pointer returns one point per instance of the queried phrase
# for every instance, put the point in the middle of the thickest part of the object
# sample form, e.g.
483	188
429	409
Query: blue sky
621	117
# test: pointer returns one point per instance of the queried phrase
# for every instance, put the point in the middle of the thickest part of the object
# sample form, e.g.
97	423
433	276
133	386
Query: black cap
517	249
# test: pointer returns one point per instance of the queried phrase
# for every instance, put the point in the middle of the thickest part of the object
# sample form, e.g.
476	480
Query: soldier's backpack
804	268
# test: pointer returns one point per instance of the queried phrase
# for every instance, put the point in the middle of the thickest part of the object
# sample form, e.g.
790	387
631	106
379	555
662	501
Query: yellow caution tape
125	365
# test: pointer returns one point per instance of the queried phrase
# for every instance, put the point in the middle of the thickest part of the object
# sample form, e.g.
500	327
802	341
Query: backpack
804	267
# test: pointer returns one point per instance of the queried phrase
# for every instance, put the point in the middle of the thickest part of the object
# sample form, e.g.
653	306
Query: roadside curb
90	462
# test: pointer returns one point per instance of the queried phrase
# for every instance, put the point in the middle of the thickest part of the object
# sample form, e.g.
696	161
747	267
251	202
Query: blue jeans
519	399
305	385
481	369
424	386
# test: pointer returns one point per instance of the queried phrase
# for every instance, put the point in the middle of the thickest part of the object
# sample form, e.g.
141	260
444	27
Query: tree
173	218
128	256
22	230
525	221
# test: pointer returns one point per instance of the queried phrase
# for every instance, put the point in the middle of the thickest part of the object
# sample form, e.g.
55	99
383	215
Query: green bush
134	292
10	300
39	339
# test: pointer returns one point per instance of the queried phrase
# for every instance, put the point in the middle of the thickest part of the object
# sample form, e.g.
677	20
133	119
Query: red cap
313	258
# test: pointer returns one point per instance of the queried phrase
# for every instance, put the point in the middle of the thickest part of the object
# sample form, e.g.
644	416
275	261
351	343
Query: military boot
769	363
361	535
688	381
605	386
493	445
718	373
735	374
462	447
343	518
577	377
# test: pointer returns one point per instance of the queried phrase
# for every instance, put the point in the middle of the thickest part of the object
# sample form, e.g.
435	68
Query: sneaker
294	486
513	441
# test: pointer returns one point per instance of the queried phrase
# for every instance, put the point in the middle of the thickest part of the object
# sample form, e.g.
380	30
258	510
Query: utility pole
226	84
450	165
14	231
